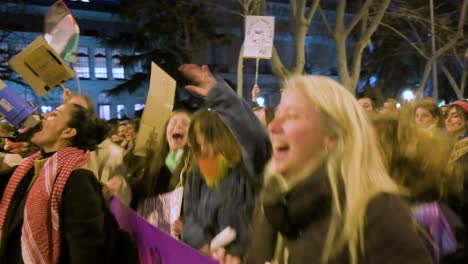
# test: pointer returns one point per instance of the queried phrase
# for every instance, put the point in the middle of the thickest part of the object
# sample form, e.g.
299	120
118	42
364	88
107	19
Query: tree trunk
424	79
240	72
452	82
299	48
277	66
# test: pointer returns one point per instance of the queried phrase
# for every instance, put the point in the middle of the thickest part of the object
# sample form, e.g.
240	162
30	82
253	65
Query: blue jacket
207	211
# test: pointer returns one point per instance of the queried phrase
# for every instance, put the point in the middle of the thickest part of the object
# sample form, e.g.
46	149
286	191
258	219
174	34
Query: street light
408	95
261	101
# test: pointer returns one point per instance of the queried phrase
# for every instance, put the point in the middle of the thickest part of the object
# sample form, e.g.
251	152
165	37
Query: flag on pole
61	31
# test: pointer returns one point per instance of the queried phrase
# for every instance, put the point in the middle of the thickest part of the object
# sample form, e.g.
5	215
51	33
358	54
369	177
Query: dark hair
269	113
90	131
460	110
88	101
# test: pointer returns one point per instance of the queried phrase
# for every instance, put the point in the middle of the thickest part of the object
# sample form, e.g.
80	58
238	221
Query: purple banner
154	246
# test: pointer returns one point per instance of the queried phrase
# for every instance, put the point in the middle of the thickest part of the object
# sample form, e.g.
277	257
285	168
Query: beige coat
104	161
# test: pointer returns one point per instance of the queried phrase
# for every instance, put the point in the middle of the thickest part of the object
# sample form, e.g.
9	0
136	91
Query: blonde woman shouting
326	190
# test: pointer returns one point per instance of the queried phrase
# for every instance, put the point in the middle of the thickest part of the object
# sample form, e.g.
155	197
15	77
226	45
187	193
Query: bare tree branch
461	21
463	81
277	65
325	21
452	82
357	18
340	14
421	52
457	58
376	21
293	8
416	33
312	10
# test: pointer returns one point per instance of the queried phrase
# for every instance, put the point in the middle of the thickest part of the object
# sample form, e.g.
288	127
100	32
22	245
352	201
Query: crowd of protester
322	178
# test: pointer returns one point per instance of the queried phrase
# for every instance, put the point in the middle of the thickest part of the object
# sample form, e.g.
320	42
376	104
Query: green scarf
173	159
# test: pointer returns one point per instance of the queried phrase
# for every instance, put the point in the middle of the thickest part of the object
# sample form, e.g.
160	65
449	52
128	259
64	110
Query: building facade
98	68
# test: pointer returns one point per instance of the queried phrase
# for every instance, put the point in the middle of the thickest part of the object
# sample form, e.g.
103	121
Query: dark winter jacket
207	211
89	233
302	216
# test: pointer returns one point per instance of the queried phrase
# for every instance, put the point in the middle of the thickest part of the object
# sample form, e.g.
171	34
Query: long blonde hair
356	171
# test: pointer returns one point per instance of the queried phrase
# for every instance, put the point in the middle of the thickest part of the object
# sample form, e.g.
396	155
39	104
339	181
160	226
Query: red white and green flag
61	31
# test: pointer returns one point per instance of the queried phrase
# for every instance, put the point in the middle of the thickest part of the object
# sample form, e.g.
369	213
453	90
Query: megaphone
16	110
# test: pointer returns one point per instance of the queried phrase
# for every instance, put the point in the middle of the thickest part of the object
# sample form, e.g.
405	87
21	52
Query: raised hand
255	92
202	78
22	148
67	93
223	258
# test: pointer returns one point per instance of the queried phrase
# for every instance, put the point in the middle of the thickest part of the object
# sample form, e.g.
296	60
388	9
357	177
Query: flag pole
256	71
78	86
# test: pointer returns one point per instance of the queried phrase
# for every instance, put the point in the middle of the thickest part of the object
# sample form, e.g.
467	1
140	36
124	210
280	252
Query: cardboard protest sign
158	108
259	33
154	245
41	66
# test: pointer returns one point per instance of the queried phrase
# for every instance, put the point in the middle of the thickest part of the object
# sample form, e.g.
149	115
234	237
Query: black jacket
302	216
89	234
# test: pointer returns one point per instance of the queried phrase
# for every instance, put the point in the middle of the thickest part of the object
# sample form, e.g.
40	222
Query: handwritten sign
41	66
259	33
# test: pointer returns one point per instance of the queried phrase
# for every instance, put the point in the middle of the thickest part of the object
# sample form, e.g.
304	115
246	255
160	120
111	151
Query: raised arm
236	114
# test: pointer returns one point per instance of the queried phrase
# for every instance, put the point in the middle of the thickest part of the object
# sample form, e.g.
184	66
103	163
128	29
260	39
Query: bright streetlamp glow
261	101
408	95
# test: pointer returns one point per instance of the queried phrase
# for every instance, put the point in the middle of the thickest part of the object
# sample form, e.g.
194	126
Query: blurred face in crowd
121	130
115	138
55	132
444	109
366	104
177	130
455	121
130	132
207	151
424	118
296	133
390	107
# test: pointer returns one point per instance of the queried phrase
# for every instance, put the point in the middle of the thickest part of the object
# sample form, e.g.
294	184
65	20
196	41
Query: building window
3	47
100	63
138	107
4	59
103	98
46	109
138	65
82	63
121	111
104	111
117	68
20	46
